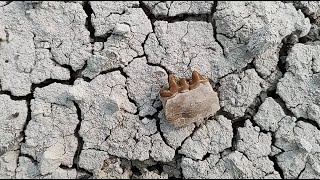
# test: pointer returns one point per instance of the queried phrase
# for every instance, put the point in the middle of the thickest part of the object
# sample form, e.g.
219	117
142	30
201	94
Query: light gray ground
80	81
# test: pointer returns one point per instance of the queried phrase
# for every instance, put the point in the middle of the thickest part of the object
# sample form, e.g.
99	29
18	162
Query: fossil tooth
183	85
182	106
173	87
196	79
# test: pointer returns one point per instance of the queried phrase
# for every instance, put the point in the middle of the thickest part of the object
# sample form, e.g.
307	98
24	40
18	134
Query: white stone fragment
144	84
50	137
176	8
313	8
27	169
253	143
128	26
258	24
238	91
13	116
269	114
112	170
121	29
8	164
38	41
300	87
213	137
299	142
233	166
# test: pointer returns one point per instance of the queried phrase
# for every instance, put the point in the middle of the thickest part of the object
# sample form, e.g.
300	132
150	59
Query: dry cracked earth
80	81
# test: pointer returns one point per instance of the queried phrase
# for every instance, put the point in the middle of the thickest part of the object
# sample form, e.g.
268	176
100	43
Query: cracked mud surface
80	81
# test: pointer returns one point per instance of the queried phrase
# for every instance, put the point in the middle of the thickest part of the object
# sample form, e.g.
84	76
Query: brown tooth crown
173	87
182	85
196	79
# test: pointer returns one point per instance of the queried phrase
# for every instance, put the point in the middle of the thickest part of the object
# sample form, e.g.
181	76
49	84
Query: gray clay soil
80	81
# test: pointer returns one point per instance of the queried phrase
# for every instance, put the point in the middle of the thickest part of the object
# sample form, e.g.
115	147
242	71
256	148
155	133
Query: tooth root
184	86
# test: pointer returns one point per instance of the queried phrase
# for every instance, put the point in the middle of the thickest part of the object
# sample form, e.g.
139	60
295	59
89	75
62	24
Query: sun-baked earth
80	83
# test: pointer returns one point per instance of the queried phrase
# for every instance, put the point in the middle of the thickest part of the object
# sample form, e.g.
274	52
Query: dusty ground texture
80	81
